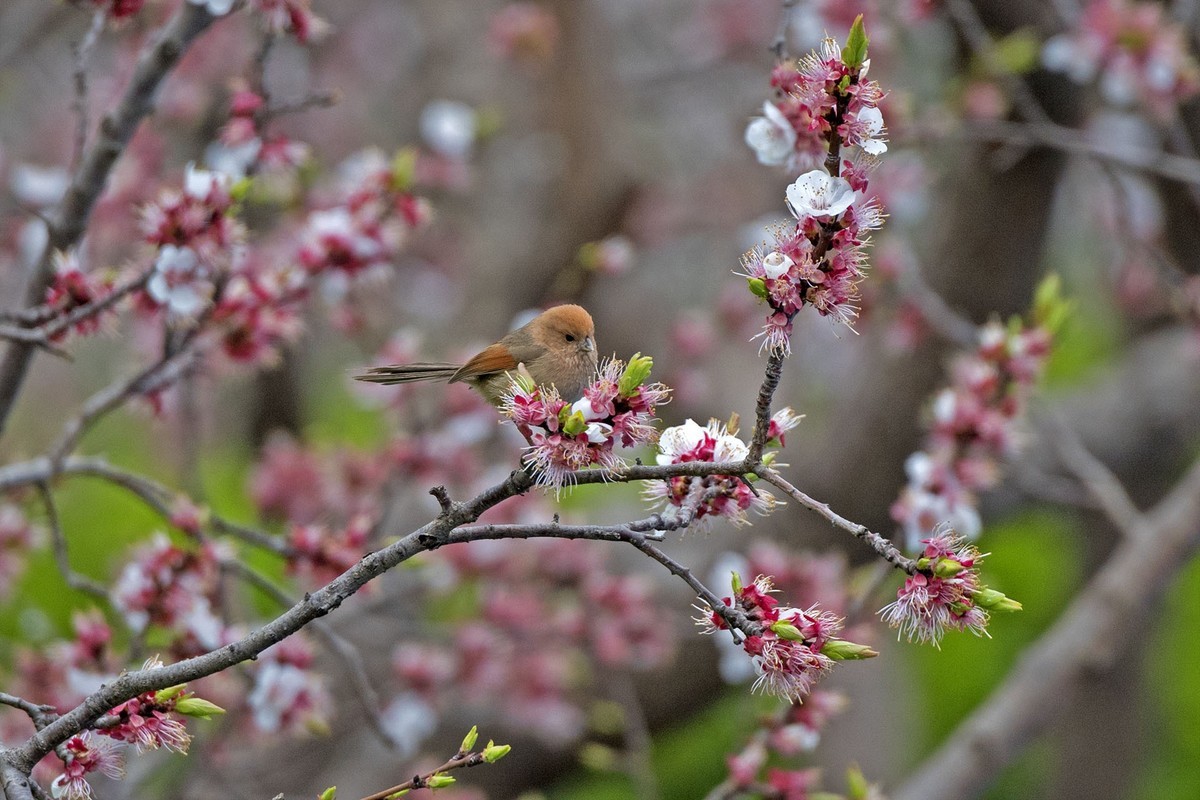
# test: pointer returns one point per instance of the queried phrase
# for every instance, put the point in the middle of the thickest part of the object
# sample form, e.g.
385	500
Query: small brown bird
557	347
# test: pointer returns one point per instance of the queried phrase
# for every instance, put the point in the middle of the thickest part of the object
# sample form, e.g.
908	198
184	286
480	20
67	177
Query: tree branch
115	130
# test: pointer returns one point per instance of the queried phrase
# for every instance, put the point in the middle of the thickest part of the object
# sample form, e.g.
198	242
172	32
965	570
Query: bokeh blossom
973	422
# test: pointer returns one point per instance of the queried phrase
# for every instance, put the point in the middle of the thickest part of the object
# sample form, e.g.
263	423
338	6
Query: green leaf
635	374
328	794
855	51
758	287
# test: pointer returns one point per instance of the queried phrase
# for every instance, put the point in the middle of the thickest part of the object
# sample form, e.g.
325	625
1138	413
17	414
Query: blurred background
593	152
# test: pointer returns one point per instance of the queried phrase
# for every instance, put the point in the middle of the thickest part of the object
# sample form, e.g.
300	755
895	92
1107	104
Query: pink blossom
16	538
928	605
524	32
565	438
86	753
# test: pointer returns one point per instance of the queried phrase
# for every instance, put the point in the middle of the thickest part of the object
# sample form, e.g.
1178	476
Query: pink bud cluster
174	589
710	496
786	653
941	596
16	538
302	486
972	427
119	9
618	408
825	106
1133	51
147	722
749	774
537	607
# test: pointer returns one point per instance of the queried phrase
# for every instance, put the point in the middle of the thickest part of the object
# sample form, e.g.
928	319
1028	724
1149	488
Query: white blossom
771	136
873	119
819	194
175	283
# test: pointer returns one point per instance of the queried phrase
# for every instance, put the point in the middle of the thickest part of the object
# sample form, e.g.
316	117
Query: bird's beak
587	345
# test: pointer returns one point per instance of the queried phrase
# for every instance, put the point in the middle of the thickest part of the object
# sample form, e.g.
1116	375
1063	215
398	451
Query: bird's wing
493	359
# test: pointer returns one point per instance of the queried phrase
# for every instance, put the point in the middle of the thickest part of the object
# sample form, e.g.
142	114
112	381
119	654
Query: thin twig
39	715
881	545
82	54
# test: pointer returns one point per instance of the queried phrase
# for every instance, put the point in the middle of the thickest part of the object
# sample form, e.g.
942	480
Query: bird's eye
570	338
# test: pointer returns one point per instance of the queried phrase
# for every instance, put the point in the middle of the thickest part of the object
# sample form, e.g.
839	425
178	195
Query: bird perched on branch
557	347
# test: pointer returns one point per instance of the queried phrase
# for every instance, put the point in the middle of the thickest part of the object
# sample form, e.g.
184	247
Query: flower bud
494	752
440	780
170	693
993	600
841	650
947	568
574	424
786	630
198	707
468	742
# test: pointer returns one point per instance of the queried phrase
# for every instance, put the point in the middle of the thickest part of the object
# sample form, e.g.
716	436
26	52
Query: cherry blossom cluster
371	220
825	106
973	423
618	408
728	496
195	235
533	609
241	147
150	721
792	649
174	589
287	694
1133	51
945	592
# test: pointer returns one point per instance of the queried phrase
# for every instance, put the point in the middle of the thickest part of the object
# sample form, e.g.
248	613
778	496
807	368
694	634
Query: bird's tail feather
408	373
